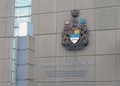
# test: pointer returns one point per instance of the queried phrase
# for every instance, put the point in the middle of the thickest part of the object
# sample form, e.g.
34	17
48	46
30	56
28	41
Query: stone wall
6	35
103	20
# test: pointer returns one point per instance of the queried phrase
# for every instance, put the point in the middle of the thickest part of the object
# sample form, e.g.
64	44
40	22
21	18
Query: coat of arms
75	34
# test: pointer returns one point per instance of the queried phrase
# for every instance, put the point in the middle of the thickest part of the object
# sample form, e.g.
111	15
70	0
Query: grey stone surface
1	71
106	84
9	26
89	69
118	41
118	67
36	46
104	3
6	70
30	56
106	68
35	22
80	4
6	24
29	83
45	84
3	27
2	50
10	8
118	84
31	42
85	83
29	72
64	5
117	17
47	6
106	42
8	47
76	84
47	23
67	84
89	15
6	84
61	18
65	76
47	45
105	18
117	2
3	4
35	6
41	74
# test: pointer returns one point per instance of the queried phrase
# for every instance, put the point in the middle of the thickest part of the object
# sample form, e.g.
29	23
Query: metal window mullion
22	16
23	6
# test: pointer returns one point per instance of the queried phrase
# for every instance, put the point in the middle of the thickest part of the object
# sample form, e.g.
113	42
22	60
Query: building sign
75	34
64	70
79	68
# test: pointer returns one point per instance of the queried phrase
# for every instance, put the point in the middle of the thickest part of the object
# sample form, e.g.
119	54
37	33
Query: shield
75	36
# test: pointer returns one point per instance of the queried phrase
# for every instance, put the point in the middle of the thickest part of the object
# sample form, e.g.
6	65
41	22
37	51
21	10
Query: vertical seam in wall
56	37
38	29
116	67
115	25
95	38
6	7
39	6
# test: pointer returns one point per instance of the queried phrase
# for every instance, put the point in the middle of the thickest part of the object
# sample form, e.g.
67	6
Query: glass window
19	3
22	13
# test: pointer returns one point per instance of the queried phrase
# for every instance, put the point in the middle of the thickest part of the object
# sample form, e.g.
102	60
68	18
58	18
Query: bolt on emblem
75	34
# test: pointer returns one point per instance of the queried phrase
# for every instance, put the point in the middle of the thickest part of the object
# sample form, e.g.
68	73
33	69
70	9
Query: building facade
6	36
96	65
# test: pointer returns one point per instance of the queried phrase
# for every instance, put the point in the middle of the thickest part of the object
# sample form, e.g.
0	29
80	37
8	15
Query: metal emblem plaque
75	34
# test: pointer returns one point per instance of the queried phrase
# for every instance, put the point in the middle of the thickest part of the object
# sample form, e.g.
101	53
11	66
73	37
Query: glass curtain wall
22	14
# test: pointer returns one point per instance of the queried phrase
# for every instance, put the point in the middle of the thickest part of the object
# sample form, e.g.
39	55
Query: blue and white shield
75	36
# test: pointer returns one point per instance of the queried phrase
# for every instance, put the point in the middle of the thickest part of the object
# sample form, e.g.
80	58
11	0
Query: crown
75	13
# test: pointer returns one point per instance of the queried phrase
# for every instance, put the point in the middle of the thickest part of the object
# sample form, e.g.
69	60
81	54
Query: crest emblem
75	34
